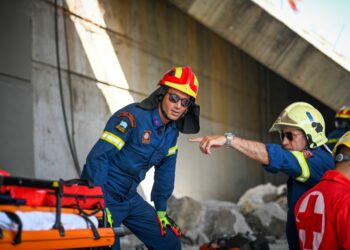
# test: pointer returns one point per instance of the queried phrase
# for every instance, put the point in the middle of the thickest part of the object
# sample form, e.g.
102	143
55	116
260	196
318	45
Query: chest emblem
146	137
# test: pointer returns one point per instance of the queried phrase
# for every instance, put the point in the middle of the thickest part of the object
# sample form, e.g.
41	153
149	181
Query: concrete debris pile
265	209
262	209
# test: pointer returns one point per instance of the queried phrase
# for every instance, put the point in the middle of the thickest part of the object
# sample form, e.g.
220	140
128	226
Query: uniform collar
334	175
157	121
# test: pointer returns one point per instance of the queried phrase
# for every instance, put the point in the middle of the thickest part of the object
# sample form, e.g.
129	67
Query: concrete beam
256	32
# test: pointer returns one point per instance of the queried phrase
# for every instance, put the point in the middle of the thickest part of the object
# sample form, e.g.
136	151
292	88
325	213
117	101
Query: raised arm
252	149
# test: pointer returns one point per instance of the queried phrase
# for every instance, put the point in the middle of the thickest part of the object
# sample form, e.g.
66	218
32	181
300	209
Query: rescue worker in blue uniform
136	138
342	125
303	155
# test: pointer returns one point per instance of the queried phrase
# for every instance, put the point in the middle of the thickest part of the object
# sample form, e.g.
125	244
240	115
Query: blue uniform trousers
292	233
140	217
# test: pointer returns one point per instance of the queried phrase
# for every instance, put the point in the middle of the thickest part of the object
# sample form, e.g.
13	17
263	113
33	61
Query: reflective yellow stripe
113	139
305	170
333	140
172	151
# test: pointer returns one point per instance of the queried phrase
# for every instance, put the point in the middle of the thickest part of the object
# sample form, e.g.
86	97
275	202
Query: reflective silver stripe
113	139
305	170
172	151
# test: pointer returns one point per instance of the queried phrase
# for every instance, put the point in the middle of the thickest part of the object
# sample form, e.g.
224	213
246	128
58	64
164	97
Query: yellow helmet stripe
305	170
183	88
113	139
172	150
178	72
195	81
344	116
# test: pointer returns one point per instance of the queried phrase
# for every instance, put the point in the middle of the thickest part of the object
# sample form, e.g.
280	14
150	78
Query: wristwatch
229	136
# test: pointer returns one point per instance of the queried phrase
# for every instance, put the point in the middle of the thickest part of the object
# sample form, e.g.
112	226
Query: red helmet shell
182	79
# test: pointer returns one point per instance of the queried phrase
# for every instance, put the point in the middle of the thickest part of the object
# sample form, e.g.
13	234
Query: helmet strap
310	143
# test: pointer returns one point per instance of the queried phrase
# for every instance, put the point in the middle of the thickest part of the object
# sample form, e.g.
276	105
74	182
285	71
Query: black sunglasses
288	134
174	98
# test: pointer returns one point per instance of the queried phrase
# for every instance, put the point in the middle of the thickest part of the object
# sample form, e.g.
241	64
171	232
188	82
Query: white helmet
305	117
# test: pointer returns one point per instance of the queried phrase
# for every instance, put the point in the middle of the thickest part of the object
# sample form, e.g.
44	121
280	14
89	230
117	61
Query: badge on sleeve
122	126
146	137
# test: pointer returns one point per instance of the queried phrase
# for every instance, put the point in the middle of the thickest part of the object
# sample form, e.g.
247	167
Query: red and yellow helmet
343	113
182	79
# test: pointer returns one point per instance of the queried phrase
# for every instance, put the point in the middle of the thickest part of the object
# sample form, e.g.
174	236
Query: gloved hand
164	222
109	217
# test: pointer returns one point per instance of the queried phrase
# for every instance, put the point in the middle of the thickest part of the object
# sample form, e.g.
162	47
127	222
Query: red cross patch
310	219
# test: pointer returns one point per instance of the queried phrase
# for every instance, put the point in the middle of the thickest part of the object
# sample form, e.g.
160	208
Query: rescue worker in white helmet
136	138
302	154
342	124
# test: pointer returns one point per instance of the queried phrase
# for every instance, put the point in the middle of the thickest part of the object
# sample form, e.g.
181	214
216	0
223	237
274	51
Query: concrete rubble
261	209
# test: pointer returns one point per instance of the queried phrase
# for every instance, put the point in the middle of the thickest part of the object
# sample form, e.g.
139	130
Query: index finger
196	139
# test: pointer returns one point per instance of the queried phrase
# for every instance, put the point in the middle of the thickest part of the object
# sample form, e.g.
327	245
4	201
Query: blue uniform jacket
304	172
128	148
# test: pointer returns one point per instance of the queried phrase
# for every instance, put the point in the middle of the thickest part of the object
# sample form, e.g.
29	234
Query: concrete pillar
16	133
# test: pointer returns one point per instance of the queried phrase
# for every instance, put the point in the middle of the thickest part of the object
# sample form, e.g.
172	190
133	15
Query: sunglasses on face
289	135
174	98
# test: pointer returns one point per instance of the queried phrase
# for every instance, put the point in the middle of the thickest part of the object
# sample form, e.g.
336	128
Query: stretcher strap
93	228
82	212
14	217
58	224
59	194
77	182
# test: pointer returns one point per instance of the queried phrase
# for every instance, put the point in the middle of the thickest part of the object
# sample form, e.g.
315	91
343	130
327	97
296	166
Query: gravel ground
278	245
129	243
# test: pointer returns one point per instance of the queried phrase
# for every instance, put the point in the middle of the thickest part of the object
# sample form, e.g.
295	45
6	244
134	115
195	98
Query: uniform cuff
160	205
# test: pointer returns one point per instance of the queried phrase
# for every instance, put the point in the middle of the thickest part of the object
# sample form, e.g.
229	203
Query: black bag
240	241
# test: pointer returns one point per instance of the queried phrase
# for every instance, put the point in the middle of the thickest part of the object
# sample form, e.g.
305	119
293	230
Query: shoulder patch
130	117
122	126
